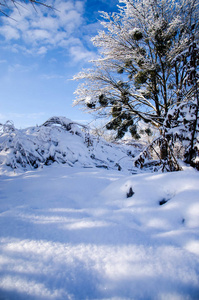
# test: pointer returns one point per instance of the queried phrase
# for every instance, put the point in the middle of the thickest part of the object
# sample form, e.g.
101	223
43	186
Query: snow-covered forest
85	218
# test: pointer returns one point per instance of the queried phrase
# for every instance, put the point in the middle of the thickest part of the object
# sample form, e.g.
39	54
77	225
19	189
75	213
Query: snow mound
72	234
62	141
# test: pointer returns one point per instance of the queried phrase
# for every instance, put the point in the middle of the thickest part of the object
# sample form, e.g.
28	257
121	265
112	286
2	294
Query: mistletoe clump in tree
135	77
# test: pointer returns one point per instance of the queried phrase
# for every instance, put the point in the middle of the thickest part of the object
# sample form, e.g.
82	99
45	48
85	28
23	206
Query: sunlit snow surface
72	233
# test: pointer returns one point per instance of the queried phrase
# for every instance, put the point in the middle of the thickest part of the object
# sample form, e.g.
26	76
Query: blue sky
40	51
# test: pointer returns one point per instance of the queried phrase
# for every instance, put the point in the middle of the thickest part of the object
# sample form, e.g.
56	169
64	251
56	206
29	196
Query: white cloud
80	53
42	50
37	31
9	32
49	23
53	76
17	48
19	68
35	35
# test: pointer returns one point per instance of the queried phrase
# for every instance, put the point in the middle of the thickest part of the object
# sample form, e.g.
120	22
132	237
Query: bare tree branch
5	5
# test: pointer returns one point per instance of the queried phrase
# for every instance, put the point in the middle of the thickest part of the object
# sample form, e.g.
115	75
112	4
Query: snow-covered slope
92	233
63	141
72	233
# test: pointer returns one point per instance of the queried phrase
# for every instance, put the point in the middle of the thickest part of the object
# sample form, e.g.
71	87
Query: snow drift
72	234
62	141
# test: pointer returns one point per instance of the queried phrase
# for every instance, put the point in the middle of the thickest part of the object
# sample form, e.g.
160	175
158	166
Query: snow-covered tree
180	131
135	77
182	122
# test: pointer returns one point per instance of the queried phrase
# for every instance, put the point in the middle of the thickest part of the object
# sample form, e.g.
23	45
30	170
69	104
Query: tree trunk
164	150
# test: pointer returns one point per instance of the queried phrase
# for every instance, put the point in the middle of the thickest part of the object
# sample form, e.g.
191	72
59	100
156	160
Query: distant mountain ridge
62	141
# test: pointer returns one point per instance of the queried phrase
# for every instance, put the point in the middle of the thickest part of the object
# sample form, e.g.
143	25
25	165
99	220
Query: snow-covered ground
63	141
72	233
